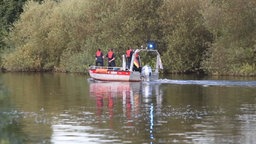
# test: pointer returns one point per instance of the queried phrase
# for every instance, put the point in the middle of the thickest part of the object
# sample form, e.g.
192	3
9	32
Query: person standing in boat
99	58
129	53
136	63
111	58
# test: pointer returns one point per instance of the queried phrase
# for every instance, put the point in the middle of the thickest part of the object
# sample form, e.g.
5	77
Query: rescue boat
134	73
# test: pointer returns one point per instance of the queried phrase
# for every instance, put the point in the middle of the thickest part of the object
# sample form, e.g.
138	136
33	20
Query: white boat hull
111	75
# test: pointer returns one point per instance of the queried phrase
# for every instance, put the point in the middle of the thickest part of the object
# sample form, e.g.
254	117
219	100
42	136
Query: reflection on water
108	93
63	108
119	107
134	96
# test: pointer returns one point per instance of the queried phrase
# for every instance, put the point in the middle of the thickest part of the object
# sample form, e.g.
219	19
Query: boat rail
111	68
106	67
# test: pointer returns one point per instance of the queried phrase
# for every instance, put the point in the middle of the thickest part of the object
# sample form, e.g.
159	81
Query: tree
184	35
9	12
191	35
232	23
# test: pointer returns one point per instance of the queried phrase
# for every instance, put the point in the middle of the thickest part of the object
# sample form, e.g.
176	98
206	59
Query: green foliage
184	35
63	35
247	69
77	62
233	26
60	32
9	12
45	31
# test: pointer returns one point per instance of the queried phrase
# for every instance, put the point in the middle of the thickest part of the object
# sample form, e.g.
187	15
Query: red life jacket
128	53
110	54
98	53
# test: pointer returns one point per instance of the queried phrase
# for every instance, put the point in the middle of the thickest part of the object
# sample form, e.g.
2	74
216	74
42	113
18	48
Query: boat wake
207	83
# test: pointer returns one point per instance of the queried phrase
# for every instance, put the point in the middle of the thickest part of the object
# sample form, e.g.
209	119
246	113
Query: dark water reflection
67	108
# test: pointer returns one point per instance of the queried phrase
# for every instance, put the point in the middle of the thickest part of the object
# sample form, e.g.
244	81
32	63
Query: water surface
70	108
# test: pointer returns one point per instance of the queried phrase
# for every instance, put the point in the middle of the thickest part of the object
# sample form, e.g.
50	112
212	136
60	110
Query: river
71	108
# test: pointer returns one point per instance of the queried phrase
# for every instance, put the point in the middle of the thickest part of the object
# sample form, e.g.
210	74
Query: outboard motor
146	73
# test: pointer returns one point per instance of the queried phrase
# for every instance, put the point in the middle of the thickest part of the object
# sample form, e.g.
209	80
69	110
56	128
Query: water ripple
206	83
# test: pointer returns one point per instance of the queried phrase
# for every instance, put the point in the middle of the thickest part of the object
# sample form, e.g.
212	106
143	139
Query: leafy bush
217	37
184	34
232	23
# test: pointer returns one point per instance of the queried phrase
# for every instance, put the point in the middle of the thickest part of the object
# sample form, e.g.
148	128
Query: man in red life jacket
111	58
129	53
99	57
